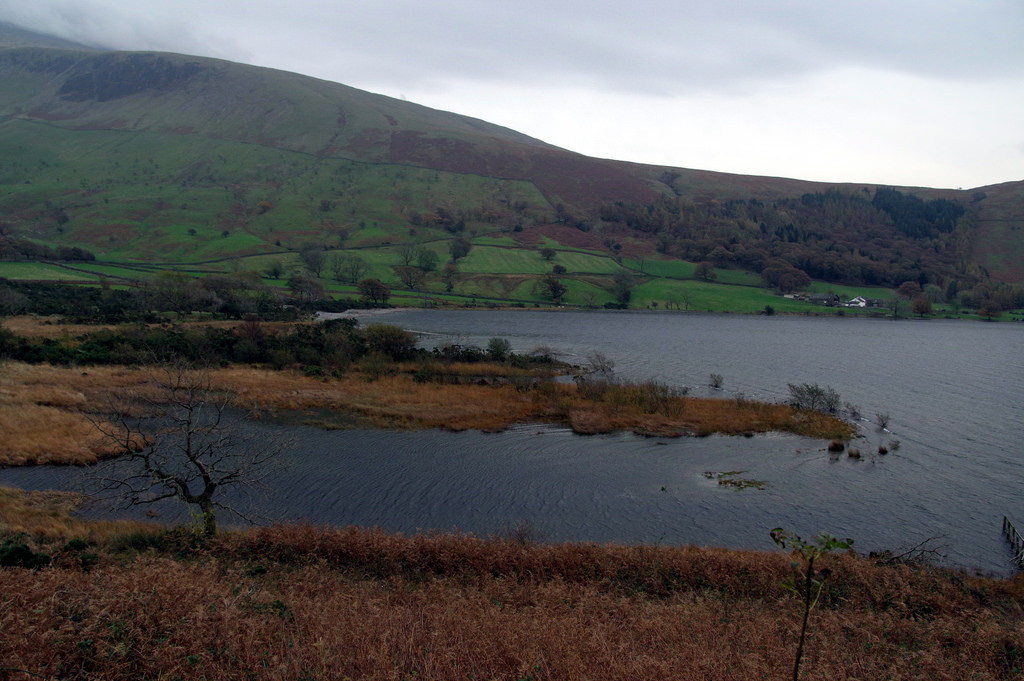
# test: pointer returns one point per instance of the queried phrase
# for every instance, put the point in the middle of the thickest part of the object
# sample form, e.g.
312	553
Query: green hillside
154	161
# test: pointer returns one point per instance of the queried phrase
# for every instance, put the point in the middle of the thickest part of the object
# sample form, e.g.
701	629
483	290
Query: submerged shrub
813	397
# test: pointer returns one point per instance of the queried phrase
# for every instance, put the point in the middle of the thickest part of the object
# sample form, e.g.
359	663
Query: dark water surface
952	389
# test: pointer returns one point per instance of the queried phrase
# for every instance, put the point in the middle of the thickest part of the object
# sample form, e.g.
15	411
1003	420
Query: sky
898	92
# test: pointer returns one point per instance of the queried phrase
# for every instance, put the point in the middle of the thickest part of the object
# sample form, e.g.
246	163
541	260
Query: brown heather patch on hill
999	246
565	177
568	237
296	602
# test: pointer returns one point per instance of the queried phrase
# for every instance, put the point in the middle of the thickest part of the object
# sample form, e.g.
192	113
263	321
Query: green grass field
32	271
490	274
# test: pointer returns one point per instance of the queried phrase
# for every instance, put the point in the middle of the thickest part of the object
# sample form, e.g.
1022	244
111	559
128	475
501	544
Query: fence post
1016	541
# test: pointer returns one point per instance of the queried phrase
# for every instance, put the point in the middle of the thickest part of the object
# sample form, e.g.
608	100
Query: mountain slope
143	156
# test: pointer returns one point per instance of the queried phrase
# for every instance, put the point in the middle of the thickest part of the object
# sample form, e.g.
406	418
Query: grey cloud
110	25
651	46
658	46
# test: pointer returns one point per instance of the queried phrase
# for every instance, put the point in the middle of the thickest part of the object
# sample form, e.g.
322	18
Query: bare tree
348	267
313	257
308	289
407	253
178	438
411	277
601	364
897	305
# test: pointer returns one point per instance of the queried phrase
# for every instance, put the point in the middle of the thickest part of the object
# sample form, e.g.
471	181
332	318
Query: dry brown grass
43	408
310	603
37	326
32	326
42	411
49	515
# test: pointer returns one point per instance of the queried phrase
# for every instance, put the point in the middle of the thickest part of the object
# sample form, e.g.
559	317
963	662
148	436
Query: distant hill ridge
127	148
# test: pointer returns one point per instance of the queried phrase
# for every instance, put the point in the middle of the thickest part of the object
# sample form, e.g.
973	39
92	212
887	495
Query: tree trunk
209	518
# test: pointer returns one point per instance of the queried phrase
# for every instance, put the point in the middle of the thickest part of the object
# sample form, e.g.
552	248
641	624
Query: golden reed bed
43	408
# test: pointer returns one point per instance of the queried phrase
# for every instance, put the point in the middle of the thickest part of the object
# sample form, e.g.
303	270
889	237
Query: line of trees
856	238
320	349
23	249
171	295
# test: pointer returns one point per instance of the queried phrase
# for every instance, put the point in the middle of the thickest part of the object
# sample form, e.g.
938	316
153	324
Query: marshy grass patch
732	480
45	410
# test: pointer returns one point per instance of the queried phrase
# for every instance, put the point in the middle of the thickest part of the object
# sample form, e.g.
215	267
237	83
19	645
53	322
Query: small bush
498	349
138	542
14	552
77	545
375	365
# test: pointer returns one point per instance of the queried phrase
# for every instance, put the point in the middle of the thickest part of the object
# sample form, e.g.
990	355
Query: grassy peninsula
44	409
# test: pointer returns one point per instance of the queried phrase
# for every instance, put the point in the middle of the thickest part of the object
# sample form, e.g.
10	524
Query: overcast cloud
901	92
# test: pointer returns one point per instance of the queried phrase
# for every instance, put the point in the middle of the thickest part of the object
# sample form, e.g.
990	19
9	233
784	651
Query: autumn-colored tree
721	256
448	273
989	313
373	291
706	271
909	290
411	277
921	305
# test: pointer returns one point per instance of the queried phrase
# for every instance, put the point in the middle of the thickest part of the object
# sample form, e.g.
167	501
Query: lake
952	391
